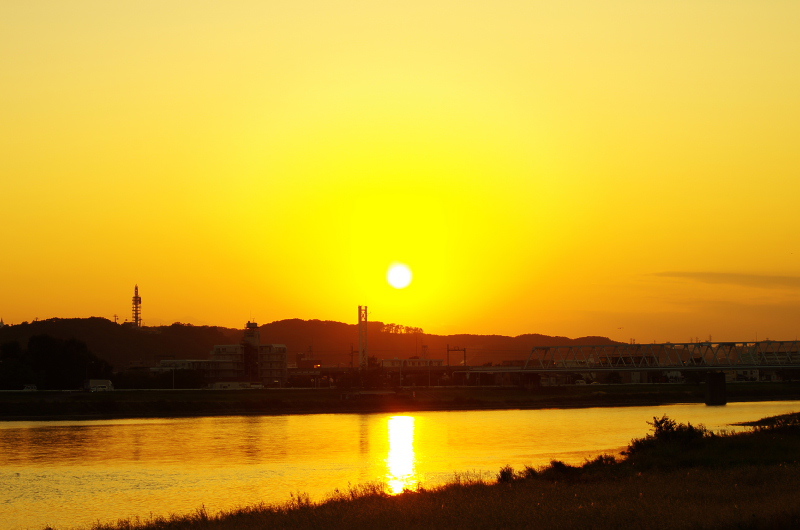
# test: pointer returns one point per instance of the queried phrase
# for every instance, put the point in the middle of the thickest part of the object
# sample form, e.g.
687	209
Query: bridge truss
668	356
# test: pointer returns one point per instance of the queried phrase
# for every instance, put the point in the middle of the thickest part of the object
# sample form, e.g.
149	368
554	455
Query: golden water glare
73	473
401	460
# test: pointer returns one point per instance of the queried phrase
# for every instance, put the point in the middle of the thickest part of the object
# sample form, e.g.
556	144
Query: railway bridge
712	358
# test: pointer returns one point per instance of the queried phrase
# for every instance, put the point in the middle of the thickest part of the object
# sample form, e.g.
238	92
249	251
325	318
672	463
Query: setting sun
490	151
399	276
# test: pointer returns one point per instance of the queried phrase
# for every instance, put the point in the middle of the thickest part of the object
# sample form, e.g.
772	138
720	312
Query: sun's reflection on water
401	459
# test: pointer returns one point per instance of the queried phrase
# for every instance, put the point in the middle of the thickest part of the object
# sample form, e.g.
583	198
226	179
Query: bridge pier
715	389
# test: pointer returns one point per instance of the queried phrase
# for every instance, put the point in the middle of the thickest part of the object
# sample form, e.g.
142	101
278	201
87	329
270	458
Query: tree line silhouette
50	364
329	341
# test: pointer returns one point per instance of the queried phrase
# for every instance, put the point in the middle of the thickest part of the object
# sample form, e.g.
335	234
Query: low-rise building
250	360
250	363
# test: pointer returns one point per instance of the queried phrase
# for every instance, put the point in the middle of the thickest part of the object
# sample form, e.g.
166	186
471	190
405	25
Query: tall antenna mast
362	336
137	307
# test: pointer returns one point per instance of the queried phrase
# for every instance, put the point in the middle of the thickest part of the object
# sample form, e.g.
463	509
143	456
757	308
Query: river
73	473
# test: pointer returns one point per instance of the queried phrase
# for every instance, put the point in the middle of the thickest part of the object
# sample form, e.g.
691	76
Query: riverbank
679	476
45	405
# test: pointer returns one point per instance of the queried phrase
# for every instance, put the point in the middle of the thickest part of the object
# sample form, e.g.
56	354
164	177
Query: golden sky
623	168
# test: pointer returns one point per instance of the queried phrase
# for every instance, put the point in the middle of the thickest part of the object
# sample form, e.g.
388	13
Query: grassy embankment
679	476
166	403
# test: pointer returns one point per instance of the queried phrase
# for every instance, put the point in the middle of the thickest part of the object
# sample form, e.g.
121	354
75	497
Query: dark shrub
506	475
528	473
600	463
666	432
558	470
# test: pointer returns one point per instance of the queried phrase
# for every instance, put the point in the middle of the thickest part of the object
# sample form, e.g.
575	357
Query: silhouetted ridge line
329	341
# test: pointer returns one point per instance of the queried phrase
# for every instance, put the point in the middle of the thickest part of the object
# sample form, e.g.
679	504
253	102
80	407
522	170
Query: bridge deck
659	357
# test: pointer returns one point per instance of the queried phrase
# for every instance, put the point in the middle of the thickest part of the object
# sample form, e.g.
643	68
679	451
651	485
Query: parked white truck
98	385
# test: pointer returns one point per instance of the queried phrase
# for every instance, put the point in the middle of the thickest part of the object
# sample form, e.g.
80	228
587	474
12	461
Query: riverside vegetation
677	476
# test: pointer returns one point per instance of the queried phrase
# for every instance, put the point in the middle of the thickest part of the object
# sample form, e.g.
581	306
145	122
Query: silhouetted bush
668	432
558	470
600	463
506	475
528	473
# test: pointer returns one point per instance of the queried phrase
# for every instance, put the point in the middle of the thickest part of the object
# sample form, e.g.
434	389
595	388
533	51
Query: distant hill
122	345
327	341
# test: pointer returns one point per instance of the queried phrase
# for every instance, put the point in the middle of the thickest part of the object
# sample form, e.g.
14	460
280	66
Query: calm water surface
72	473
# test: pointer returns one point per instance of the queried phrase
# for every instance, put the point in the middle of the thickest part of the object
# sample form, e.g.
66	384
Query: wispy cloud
748	280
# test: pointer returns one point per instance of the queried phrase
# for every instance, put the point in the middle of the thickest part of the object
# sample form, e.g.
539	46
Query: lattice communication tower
137	307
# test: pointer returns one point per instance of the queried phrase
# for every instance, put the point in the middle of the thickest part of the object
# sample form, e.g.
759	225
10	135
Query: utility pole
449	349
425	356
